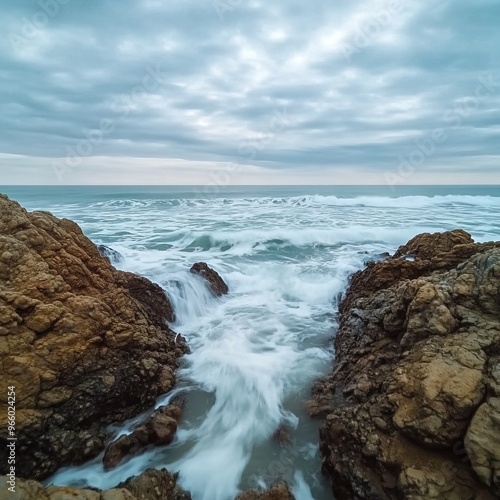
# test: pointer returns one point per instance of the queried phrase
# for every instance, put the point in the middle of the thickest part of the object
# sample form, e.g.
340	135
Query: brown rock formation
150	485
416	386
279	491
426	253
83	344
158	429
214	281
155	485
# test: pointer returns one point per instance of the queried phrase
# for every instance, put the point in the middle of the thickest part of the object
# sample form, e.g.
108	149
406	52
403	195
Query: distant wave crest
410	202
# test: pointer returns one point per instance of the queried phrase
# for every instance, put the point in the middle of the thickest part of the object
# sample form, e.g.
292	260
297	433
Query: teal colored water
94	193
286	254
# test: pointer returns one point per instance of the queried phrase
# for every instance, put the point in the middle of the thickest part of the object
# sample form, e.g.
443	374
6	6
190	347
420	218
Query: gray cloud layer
394	90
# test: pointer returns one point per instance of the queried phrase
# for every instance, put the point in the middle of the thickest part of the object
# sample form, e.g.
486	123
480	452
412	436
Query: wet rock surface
155	484
150	485
414	397
84	345
214	281
158	429
279	491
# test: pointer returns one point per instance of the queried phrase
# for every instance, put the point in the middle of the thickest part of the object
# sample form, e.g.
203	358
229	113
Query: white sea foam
301	489
396	202
311	201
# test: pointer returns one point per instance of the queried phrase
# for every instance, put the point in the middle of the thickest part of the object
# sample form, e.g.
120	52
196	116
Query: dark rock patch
214	281
158	429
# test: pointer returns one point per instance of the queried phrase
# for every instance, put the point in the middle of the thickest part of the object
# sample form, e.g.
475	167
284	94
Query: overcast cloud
247	91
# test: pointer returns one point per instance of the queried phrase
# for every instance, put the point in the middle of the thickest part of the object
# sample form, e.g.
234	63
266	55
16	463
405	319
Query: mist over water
286	256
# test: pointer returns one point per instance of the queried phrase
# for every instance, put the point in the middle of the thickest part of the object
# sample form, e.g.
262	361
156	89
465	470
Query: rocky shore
413	405
84	344
411	410
150	485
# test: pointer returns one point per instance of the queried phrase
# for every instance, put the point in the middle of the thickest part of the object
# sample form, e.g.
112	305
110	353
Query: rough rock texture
214	281
159	429
279	491
83	344
415	393
155	484
441	252
150	485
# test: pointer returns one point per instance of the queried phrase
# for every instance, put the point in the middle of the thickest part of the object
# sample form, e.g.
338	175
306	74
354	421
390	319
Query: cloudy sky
250	92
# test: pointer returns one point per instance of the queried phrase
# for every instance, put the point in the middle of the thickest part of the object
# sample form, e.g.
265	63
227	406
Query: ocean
286	253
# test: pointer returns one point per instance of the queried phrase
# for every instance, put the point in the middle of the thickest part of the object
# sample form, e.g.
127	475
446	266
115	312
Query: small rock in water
214	281
282	435
112	255
158	429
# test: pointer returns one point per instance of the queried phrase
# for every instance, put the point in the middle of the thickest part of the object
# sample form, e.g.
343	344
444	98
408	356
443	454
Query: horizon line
249	185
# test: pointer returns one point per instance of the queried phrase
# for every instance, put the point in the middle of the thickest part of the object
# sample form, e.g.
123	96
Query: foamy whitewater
286	254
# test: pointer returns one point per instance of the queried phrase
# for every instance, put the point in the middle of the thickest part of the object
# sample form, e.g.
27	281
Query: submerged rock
158	429
150	485
282	435
417	383
84	344
214	281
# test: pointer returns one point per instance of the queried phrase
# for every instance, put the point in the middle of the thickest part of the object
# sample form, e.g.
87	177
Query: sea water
286	254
